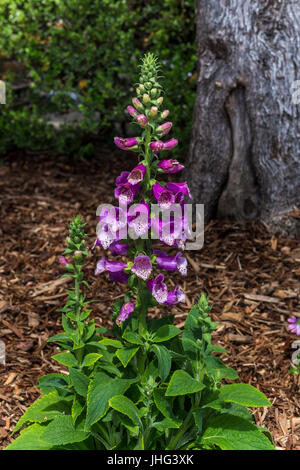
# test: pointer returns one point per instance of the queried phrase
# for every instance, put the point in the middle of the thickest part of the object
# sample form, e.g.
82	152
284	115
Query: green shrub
90	49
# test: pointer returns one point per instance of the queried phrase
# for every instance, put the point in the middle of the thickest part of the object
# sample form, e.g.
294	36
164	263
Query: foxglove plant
145	384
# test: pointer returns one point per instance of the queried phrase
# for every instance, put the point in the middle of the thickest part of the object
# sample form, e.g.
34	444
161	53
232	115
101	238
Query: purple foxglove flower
137	174
170	144
122	179
164	128
142	120
110	266
165	113
169	232
132	111
137	104
138	218
179	188
171	263
117	248
126	310
63	261
119	276
112	226
142	266
170	166
164	197
126	193
175	296
158	288
294	325
130	143
156	146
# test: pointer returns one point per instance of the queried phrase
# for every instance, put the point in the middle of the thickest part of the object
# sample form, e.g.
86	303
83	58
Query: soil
251	277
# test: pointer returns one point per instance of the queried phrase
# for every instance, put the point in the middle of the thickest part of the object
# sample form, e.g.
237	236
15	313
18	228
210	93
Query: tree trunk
244	158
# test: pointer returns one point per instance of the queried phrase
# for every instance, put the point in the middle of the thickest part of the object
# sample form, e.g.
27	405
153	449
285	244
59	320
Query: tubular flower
126	193
171	263
111	227
164	128
63	261
170	144
142	120
126	310
170	166
110	266
142	266
117	248
158	288
294	325
175	296
156	146
137	174
179	188
127	144
139	218
132	111
164	197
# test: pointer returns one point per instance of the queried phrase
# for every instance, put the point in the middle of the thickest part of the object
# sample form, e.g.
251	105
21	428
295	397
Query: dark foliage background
82	56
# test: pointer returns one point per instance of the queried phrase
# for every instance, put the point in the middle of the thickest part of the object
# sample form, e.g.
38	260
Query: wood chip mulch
251	277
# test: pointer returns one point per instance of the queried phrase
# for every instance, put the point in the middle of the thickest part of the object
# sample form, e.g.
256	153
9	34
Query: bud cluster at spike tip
136	189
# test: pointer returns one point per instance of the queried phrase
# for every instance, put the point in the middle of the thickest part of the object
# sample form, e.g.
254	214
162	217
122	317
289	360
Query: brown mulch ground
251	277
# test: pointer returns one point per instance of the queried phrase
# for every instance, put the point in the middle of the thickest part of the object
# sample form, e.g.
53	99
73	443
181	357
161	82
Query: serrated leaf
62	431
77	408
126	354
90	359
79	381
230	432
44	409
101	389
132	338
125	406
218	370
165	332
181	383
111	342
66	359
30	438
51	382
164	406
164	360
243	394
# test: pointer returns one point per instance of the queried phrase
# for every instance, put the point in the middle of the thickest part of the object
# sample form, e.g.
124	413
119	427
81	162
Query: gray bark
244	158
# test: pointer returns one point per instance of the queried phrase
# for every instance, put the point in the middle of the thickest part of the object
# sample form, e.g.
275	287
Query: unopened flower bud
77	254
153	92
146	98
165	113
141	87
142	120
153	111
160	100
63	261
164	129
132	111
137	104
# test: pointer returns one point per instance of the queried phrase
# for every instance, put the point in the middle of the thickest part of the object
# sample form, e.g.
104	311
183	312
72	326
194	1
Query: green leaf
165	332
66	359
230	432
79	381
62	431
77	408
164	406
125	406
90	359
43	409
243	394
182	383
132	338
101	389
111	342
51	382
126	354
218	370
163	359
30	438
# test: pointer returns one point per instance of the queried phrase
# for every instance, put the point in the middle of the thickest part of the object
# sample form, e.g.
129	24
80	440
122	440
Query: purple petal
142	266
